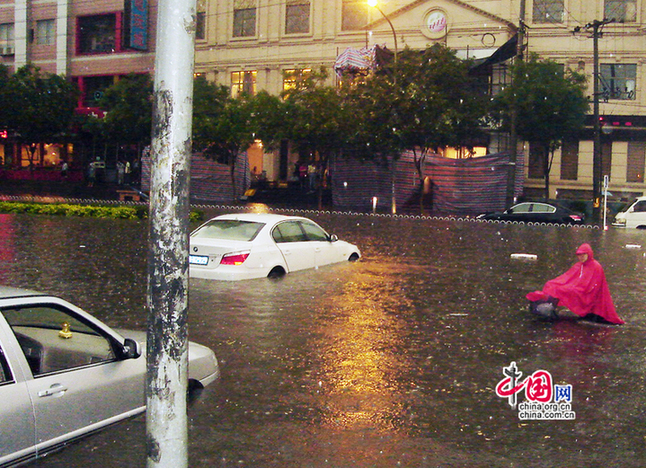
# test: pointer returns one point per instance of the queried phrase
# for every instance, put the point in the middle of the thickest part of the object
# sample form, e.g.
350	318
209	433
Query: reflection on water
391	361
362	357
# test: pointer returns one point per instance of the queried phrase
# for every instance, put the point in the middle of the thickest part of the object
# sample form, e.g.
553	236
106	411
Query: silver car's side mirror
131	349
334	238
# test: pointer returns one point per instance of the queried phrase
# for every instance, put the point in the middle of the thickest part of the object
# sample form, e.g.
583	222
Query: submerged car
64	374
536	212
633	215
245	246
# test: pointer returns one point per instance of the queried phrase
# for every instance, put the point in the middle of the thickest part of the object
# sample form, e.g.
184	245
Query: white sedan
244	246
64	374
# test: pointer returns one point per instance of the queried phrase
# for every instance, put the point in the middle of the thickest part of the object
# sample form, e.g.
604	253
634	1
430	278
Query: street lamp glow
372	3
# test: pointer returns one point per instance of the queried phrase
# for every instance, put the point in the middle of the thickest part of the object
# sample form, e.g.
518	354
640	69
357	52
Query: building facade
91	43
251	45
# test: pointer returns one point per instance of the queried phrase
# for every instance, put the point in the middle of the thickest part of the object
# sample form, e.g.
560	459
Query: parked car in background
632	215
251	245
64	374
536	212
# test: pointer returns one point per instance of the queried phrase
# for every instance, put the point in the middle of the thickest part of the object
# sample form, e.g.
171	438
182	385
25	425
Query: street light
374	4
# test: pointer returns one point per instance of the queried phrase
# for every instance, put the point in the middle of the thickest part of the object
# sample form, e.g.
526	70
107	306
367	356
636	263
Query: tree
128	117
129	107
315	126
423	102
551	105
37	107
222	124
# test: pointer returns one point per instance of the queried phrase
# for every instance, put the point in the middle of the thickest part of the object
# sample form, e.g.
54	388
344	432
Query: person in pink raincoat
583	289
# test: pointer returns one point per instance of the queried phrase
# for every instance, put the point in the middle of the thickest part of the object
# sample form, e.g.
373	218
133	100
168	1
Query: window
229	229
97	34
536	166
569	160
244	18
548	11
292	77
6	35
297	17
313	232
618	81
53	339
522	208
243	82
354	15
622	11
635	164
200	25
289	231
5	372
200	20
45	32
640	207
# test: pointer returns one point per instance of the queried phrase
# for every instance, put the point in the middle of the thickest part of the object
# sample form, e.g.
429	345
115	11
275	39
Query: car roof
8	292
258	217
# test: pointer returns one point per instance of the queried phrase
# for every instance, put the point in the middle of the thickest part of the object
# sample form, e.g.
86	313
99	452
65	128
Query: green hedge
89	211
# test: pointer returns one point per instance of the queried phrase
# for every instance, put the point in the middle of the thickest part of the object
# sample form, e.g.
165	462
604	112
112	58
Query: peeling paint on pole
167	342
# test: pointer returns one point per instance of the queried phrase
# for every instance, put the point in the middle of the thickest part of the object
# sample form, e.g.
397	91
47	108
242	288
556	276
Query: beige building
250	44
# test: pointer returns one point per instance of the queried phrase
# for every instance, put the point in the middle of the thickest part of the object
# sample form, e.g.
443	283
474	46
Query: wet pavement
390	361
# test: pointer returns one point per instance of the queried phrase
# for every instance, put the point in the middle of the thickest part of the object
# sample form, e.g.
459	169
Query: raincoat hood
585	249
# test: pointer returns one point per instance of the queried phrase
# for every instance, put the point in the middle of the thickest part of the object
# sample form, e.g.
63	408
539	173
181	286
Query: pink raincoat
583	289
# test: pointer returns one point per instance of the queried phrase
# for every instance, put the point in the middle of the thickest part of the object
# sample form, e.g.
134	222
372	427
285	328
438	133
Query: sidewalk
291	196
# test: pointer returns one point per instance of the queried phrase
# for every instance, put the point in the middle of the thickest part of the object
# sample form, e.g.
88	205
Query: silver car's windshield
229	229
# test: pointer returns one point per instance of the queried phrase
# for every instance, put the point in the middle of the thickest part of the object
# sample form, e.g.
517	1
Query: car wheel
354	257
276	273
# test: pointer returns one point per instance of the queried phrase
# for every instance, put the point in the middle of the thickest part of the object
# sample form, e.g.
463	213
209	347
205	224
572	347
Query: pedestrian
64	168
120	172
583	289
91	174
127	171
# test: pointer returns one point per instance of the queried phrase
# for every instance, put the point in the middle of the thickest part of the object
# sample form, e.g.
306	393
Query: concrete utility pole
167	343
513	137
597	175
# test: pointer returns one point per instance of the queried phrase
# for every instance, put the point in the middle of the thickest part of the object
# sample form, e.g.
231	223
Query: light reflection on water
391	361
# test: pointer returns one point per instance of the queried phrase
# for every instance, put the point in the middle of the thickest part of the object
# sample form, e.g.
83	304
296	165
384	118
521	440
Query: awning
354	60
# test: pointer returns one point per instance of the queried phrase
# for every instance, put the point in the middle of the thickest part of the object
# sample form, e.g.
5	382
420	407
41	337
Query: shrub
93	211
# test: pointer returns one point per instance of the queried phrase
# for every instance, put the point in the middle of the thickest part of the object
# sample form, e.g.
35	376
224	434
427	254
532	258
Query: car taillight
575	218
234	258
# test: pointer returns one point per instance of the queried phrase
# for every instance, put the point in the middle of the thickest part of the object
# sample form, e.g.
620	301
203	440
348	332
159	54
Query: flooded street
390	361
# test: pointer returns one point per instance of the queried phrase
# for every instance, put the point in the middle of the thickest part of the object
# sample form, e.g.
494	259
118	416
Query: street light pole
393	201
373	4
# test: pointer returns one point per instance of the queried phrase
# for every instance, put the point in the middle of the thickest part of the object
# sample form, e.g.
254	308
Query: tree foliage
129	108
551	105
221	124
37	107
424	101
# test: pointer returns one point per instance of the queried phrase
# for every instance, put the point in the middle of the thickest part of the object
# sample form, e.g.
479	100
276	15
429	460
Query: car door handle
54	390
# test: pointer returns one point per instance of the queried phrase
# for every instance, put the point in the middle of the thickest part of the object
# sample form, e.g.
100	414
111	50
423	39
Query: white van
633	215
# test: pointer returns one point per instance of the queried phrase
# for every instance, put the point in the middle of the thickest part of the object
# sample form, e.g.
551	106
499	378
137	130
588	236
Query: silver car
63	373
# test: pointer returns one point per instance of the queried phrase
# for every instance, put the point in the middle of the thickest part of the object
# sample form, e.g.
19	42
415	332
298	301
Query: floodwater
391	361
